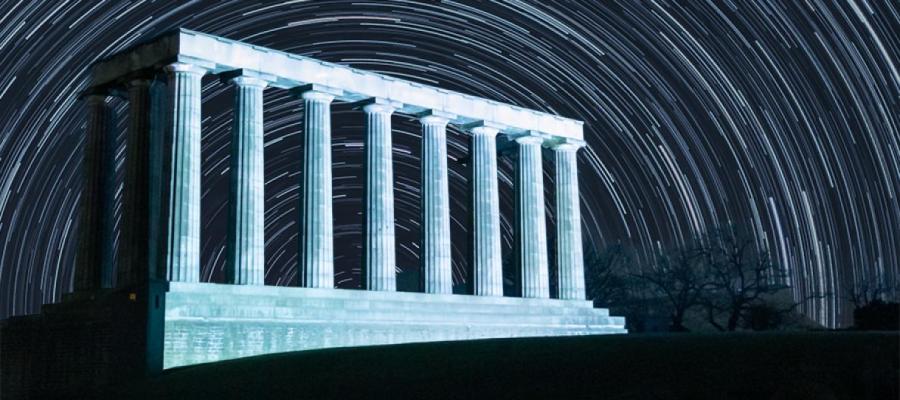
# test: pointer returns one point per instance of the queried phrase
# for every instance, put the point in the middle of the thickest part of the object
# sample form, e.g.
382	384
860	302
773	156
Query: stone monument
183	321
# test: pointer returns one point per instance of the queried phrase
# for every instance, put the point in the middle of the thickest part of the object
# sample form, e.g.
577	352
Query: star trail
782	117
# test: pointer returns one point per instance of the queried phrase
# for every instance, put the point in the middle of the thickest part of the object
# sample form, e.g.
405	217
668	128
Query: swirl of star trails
780	117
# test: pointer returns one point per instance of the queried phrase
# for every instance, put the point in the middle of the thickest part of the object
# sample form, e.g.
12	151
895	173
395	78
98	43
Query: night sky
781	117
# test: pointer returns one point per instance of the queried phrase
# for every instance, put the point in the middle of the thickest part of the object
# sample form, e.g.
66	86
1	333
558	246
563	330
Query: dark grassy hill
825	365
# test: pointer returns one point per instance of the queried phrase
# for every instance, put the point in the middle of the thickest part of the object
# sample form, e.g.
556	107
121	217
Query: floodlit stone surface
285	70
207	322
195	322
531	225
317	232
183	172
379	252
569	256
488	267
436	245
245	203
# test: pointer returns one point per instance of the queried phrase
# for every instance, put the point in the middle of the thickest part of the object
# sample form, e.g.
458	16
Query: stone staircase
207	322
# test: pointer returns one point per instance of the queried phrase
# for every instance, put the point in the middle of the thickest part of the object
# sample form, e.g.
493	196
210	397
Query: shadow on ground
821	365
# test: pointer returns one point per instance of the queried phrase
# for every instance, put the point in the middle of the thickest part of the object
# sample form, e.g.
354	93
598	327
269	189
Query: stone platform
207	322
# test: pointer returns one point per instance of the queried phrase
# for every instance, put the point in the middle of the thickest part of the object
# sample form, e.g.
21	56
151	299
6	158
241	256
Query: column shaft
159	157
94	263
134	251
316	229
488	268
379	256
532	227
183	174
435	252
568	227
245	260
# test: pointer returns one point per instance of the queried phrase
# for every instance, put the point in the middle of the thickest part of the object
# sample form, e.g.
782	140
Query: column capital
246	77
434	117
314	91
248	81
559	144
185	67
378	105
483	128
530	137
241	77
139	82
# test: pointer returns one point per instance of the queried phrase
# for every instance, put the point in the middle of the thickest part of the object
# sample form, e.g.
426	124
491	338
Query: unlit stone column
435	250
379	227
568	226
134	254
245	263
316	224
532	228
182	256
94	263
156	242
488	267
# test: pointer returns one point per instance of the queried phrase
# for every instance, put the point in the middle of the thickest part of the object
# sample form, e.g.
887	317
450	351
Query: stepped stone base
207	322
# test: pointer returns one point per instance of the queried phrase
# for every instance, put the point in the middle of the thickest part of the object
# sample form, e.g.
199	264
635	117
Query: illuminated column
316	230
435	251
134	251
94	263
182	173
531	226
379	252
245	262
568	226
488	267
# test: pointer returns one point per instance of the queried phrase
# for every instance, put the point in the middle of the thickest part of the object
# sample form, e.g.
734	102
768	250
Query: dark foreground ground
826	365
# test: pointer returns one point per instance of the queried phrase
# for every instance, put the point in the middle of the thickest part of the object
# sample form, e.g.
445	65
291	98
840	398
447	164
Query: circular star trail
780	117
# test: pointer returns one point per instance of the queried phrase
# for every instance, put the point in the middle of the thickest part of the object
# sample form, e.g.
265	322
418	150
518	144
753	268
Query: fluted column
159	114
532	227
568	226
316	223
94	262
488	267
134	251
182	253
379	252
245	262
435	250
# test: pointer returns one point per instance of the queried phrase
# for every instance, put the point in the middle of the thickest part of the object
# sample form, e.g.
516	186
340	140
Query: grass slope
821	365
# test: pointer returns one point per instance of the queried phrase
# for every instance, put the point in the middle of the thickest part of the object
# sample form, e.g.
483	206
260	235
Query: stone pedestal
206	322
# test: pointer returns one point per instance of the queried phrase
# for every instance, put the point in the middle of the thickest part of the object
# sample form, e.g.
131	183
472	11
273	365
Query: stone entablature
285	70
